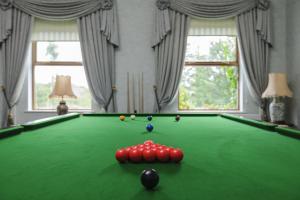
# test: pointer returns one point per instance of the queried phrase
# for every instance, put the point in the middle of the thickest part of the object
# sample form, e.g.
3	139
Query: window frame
214	64
45	63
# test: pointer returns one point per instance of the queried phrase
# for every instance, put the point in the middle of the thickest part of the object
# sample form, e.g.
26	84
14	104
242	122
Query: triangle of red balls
149	152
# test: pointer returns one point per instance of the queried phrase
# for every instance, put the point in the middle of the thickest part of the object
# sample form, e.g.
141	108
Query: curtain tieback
156	97
113	90
10	118
6	98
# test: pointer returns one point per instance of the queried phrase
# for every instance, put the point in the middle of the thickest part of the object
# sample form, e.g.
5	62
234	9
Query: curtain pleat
12	58
98	59
255	52
170	56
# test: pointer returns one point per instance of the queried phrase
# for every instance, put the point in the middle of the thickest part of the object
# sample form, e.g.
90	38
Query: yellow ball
122	117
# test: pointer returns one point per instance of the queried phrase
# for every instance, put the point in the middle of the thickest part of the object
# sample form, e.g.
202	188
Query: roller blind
44	30
205	27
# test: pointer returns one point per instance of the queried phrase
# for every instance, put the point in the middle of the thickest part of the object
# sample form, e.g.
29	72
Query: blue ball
149	118
149	127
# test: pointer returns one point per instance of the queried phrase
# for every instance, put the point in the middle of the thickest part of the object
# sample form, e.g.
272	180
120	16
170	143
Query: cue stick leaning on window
142	92
139	88
133	93
128	94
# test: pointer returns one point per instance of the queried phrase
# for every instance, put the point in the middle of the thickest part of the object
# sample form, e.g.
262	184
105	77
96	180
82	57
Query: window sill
212	111
237	112
54	111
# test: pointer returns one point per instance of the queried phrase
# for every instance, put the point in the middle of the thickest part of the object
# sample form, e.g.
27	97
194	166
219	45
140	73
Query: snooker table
225	157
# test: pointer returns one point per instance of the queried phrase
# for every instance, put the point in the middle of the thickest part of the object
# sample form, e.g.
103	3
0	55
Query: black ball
177	118
149	118
149	178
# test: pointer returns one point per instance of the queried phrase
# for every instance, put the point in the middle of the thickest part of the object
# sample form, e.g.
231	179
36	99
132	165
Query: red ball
121	155
176	155
147	147
149	155
135	156
160	147
148	142
162	155
168	149
154	149
134	147
141	146
141	150
127	149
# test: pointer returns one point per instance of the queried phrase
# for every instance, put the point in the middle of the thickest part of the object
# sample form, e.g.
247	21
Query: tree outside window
210	78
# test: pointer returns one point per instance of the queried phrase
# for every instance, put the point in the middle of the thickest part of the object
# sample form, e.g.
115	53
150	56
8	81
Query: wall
278	59
136	20
293	58
135	55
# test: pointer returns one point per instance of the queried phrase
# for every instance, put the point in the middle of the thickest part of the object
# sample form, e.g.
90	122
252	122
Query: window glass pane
44	78
209	87
59	51
211	48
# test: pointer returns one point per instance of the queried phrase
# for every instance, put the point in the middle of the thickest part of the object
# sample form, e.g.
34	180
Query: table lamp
62	88
277	88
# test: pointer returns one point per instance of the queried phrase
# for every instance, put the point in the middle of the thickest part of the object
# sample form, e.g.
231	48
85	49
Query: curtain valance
219	9
60	10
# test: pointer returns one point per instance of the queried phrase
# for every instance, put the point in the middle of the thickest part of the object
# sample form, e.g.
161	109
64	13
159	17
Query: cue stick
128	94
133	93
139	89
142	92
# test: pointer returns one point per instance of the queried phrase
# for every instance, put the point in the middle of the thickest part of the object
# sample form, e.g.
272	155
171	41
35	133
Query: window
58	58
210	78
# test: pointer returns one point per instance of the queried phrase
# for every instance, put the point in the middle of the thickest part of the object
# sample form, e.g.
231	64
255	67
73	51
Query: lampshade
63	87
277	86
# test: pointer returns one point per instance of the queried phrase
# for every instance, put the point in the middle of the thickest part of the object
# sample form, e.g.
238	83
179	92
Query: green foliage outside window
211	87
52	51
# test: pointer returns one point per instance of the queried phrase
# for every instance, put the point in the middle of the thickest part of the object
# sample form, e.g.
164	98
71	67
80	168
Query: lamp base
62	108
277	111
